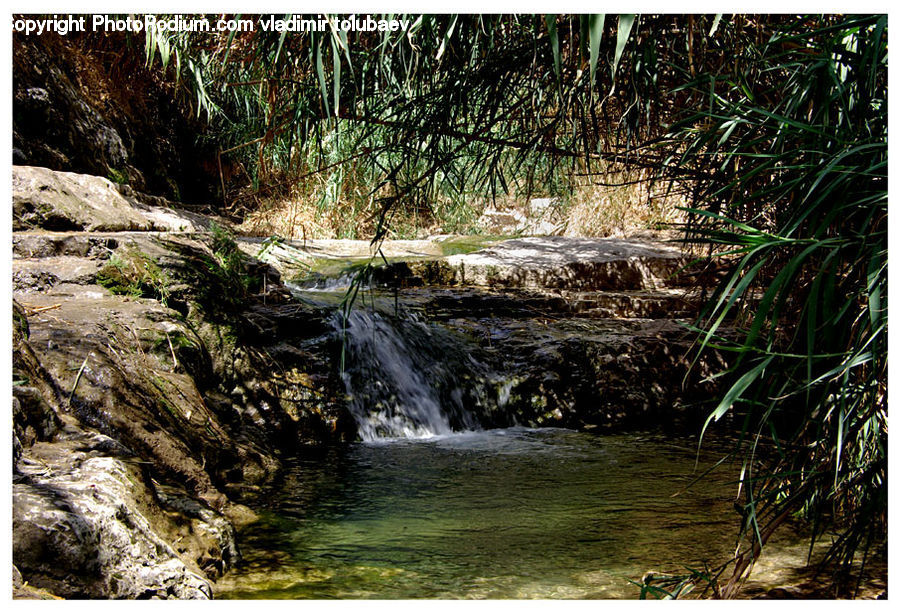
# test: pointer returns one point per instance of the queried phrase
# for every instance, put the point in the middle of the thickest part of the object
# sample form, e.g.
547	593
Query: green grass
135	274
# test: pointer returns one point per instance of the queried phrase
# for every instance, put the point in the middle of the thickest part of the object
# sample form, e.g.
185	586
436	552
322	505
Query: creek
506	513
431	504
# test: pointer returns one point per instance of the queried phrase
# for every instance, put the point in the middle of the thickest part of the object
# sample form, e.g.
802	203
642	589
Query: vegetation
228	262
793	183
226	278
772	129
346	131
135	274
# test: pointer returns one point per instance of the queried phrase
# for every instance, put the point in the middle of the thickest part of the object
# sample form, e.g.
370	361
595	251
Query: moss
165	404
167	344
162	388
117	176
334	268
538	402
461	245
228	269
135	274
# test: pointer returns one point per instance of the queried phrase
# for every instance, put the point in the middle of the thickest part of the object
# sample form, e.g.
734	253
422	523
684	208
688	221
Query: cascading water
409	379
506	512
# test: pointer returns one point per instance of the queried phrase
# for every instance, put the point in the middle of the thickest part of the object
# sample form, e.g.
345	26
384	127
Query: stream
435	501
506	513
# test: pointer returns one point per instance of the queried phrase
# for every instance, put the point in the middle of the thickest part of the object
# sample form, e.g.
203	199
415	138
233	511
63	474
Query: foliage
117	176
668	586
135	274
793	158
775	128
228	267
419	124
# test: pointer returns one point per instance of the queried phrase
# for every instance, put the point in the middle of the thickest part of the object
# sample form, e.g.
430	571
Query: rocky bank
158	377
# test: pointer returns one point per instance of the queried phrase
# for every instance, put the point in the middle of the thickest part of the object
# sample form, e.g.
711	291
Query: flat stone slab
535	251
351	250
65	201
287	253
548	252
41	273
551	262
356	249
545	262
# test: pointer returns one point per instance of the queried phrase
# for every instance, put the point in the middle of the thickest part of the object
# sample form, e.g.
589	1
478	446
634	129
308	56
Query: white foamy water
402	377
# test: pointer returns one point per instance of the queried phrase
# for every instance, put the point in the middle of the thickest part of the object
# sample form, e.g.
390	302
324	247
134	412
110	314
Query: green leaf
280	43
550	20
163	52
228	42
336	76
735	392
624	31
150	47
320	71
595	24
448	33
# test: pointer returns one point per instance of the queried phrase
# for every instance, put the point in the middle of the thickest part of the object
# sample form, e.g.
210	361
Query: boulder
65	201
79	530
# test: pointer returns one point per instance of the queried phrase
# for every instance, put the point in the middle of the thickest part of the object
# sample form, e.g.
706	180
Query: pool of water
510	513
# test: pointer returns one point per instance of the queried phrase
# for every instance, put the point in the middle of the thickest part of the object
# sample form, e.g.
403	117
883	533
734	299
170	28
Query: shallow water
510	513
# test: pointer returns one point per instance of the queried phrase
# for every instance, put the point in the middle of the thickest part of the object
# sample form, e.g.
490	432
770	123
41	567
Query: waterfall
408	379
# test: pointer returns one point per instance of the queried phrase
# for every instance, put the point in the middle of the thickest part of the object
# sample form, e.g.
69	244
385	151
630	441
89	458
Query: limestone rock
45	199
78	532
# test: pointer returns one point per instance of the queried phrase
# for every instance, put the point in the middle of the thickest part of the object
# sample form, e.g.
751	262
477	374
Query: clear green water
513	513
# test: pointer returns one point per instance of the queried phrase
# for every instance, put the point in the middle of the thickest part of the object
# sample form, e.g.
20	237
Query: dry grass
628	204
298	218
290	218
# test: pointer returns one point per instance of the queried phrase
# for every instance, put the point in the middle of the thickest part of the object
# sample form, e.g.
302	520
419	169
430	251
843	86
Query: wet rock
599	373
210	539
78	244
120	405
23	590
37	280
33	275
33	418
